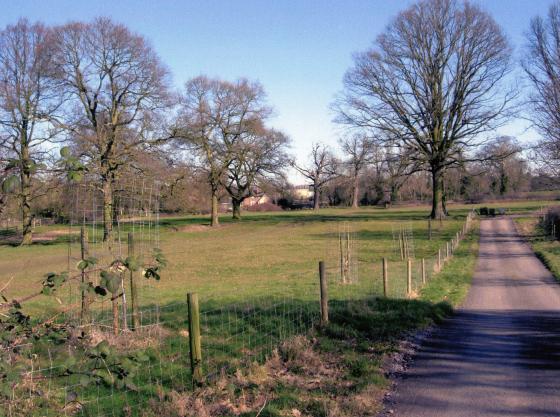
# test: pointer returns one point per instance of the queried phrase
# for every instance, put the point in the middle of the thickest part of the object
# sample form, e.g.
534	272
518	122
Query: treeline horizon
92	103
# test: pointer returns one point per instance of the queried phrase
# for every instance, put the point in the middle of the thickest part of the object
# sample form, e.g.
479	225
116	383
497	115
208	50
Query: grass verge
545	248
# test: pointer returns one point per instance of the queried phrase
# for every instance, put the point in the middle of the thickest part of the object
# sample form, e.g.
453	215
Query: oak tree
29	99
434	81
542	67
117	84
215	118
321	168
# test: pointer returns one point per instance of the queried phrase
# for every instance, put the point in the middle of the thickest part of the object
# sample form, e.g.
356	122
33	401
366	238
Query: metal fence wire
90	371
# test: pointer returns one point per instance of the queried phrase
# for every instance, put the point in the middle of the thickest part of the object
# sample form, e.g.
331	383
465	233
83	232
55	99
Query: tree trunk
25	178
236	205
355	192
438	210
316	197
394	193
215	221
107	208
26	217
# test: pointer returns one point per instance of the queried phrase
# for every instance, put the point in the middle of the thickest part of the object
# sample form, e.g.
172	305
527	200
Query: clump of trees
223	125
321	169
420	108
103	91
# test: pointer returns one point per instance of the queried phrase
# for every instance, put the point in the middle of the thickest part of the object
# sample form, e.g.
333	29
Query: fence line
199	340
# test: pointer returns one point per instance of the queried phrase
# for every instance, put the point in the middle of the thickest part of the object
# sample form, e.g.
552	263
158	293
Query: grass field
258	285
546	248
265	252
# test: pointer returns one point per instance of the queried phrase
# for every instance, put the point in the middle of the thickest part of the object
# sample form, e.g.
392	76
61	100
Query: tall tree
542	66
359	149
258	156
434	81
117	83
398	168
214	118
502	164
320	169
29	97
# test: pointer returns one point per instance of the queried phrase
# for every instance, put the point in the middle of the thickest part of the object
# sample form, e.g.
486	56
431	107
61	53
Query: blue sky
299	50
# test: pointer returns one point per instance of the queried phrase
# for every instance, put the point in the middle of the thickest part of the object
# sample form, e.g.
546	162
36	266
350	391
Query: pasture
257	282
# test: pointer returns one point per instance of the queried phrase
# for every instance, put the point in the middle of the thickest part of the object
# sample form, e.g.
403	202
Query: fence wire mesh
95	372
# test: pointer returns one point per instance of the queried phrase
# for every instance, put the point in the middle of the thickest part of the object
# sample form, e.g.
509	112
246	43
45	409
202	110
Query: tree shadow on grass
237	335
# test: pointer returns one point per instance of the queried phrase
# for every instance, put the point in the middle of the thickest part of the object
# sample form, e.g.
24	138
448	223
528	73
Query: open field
264	252
258	286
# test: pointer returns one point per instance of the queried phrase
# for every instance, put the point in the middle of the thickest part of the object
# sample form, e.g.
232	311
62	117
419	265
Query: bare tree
117	83
215	117
360	149
542	66
257	157
432	81
322	168
398	168
502	165
29	97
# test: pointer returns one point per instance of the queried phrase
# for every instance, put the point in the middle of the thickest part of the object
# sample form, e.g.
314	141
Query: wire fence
88	370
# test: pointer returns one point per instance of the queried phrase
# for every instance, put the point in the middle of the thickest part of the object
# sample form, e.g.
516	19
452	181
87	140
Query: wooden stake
423	271
115	302
342	277
385	278
429	229
133	288
409	276
84	316
324	294
194	339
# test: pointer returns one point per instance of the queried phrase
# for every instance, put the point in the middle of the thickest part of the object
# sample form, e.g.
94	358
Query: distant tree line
419	110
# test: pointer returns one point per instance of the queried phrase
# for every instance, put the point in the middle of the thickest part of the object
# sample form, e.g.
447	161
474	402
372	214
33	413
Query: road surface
500	355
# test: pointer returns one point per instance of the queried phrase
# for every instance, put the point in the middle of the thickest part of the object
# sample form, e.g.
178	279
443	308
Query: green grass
362	332
265	252
546	249
258	285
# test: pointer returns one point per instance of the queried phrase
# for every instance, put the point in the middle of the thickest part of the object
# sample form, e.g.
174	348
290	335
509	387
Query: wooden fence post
429	229
84	316
385	278
409	276
133	289
324	294
446	250
423	271
194	339
439	259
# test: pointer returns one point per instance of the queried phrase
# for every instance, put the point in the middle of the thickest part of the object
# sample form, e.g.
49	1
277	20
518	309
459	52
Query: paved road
500	355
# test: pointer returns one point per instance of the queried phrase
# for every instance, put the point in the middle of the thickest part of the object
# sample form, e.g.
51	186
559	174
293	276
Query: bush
551	222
